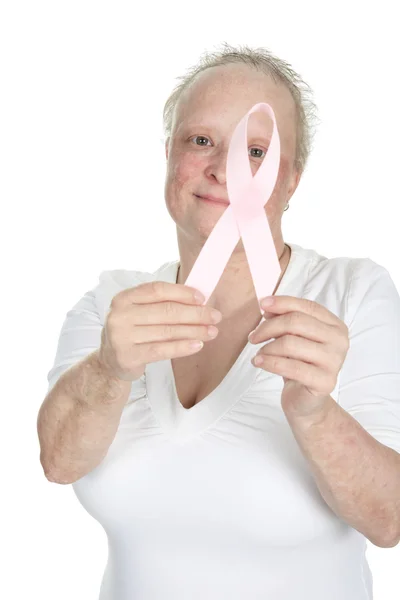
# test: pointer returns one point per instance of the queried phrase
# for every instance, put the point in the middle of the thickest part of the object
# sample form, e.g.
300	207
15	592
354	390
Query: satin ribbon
244	217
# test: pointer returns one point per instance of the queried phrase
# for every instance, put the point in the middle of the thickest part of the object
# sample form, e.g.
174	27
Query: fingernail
216	316
265	302
196	345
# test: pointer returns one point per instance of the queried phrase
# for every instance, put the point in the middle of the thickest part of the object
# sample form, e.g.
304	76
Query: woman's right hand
151	322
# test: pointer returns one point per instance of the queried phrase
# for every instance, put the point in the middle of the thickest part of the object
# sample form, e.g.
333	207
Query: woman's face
204	120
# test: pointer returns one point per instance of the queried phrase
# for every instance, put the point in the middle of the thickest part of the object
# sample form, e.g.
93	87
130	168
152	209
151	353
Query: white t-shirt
217	501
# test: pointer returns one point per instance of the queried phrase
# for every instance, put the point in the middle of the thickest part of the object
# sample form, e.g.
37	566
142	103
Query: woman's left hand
308	351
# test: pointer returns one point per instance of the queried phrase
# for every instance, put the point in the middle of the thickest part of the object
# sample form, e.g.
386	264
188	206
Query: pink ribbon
244	217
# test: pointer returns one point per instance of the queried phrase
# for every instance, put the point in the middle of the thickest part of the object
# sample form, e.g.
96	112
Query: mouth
209	201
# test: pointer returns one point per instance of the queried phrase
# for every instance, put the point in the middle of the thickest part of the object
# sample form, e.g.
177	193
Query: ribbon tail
214	255
261	255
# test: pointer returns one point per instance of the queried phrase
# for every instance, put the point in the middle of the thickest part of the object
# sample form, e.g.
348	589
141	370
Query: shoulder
345	282
339	268
347	266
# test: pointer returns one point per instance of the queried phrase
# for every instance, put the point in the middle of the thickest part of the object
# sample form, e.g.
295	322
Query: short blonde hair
280	71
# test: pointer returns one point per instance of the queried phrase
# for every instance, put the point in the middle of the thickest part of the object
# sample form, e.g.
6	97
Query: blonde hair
280	71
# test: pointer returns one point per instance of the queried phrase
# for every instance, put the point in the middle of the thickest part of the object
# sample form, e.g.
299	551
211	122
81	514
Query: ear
166	147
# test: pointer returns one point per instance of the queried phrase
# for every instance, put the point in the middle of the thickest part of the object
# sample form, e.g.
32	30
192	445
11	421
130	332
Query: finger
170	312
283	304
295	323
157	291
309	375
153	352
295	347
159	333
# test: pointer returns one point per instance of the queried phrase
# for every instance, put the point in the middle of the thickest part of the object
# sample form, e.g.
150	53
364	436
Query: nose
217	167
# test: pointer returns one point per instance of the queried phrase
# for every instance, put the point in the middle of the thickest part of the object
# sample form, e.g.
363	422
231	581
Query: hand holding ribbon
309	348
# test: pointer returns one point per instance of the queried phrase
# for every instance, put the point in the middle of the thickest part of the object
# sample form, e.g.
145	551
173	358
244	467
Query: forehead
220	96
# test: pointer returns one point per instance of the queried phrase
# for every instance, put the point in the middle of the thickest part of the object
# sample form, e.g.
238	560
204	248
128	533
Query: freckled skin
204	120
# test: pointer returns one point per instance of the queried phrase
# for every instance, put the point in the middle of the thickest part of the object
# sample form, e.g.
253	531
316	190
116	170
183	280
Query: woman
224	479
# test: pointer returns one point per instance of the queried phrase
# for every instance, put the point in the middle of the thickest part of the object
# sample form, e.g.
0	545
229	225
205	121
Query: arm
358	477
78	420
354	450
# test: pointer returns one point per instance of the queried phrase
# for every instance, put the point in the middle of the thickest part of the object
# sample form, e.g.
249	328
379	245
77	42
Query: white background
82	190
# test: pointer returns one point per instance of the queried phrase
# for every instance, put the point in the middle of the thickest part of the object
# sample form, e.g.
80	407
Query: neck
228	297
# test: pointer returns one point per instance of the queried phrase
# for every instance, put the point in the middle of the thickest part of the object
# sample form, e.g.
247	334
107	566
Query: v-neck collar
179	422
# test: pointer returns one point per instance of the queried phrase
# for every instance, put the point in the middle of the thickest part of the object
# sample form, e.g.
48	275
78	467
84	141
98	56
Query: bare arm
357	476
79	418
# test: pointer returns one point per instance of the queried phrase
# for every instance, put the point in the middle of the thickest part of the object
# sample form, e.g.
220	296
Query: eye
259	150
200	137
203	137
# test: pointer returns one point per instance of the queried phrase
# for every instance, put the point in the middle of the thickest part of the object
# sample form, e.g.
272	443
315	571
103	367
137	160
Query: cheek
282	182
184	170
278	199
284	172
183	177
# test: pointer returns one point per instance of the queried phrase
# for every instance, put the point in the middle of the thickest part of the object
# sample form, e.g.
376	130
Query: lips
213	199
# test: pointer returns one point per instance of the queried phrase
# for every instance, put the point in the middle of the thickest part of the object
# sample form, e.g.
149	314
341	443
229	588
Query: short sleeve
369	384
80	333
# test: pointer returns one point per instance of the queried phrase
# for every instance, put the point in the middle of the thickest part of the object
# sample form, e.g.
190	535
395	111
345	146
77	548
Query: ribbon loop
244	217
